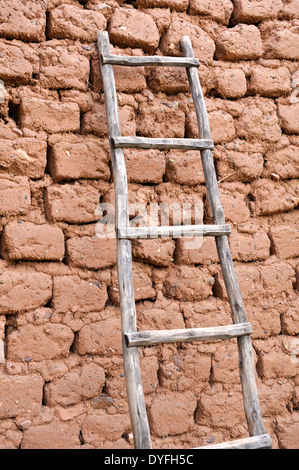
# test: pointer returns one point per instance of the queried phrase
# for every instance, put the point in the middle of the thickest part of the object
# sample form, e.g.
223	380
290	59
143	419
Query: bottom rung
255	442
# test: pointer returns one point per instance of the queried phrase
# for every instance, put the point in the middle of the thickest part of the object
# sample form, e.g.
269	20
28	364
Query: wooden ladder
240	328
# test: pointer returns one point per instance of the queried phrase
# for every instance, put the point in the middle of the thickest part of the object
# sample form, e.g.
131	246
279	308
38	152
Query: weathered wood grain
148	338
175	231
155	61
220	230
148	143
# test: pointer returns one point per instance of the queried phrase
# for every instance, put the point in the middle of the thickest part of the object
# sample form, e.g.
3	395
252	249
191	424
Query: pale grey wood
156	61
148	338
131	361
246	363
137	407
175	231
262	441
148	143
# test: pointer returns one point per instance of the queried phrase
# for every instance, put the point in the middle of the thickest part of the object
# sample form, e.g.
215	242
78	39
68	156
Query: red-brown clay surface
61	374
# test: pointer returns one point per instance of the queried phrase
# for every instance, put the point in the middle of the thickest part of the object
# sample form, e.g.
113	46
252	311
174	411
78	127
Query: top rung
158	61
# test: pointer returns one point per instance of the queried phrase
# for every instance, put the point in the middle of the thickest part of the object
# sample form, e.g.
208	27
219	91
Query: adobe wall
61	382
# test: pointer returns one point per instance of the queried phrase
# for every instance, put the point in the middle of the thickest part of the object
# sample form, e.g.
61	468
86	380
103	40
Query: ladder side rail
139	419
246	362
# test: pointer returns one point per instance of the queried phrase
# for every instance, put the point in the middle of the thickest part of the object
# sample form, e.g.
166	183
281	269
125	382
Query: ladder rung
263	441
158	61
148	143
148	338
175	231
